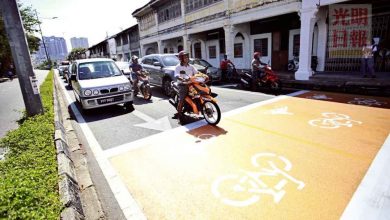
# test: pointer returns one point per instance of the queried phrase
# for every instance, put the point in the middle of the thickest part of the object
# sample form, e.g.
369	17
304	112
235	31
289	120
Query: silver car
99	82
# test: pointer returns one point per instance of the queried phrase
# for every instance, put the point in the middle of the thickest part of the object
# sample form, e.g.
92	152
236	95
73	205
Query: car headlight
87	92
121	88
127	87
96	92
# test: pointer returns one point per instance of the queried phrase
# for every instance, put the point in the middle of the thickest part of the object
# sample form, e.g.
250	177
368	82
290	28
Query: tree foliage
30	24
77	53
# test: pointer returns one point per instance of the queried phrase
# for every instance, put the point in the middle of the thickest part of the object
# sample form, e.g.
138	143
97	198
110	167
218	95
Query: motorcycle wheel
291	67
276	85
211	112
147	93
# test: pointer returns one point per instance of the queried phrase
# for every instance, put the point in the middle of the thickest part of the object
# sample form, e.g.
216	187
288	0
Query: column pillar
308	18
160	50
322	39
229	40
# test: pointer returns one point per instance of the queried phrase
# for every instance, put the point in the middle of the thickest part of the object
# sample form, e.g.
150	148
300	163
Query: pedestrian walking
367	60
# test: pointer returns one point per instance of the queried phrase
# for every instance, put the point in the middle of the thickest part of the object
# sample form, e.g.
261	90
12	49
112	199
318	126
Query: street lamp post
43	40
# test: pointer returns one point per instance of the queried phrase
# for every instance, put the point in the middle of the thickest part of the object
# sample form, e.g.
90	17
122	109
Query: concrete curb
68	186
78	193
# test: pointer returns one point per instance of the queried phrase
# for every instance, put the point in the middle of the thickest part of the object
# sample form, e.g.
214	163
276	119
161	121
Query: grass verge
28	175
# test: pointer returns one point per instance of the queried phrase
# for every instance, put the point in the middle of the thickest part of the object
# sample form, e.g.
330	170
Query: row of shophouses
333	31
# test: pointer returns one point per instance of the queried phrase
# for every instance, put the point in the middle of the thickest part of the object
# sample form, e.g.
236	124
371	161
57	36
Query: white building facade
209	29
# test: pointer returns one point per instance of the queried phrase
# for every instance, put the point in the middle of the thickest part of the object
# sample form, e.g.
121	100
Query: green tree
77	53
30	23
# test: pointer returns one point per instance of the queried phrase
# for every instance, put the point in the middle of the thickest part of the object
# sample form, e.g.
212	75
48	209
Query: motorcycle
143	85
199	98
293	64
269	80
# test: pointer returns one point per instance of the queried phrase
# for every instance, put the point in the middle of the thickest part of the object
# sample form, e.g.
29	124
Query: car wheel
167	87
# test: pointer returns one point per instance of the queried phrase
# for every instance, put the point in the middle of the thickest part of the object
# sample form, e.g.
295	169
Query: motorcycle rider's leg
135	86
183	91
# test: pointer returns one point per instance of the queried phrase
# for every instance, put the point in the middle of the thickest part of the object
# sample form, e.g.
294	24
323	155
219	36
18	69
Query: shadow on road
101	113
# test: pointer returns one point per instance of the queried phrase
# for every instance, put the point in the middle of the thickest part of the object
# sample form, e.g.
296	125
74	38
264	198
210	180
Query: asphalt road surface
12	104
309	155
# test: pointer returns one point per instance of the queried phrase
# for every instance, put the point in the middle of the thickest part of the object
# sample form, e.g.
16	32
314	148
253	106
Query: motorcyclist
182	69
136	69
256	66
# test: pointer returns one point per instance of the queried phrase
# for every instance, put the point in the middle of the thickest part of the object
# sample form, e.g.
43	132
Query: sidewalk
341	82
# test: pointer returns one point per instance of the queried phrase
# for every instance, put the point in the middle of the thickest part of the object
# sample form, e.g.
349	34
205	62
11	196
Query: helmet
256	55
134	57
182	54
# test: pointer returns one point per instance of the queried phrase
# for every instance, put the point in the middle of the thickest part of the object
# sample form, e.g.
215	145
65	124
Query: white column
186	47
160	50
322	39
308	17
229	40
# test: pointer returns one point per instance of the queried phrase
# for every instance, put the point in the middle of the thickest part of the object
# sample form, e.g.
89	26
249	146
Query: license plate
111	99
104	101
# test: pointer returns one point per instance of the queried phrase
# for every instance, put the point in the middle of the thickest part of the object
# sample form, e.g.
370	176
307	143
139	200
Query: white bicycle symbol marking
245	188
367	102
279	111
319	97
333	120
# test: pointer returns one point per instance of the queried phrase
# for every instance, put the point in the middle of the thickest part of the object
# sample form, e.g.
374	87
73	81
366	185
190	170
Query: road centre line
371	199
126	202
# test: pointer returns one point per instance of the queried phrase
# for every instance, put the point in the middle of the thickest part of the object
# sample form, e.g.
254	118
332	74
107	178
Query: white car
99	82
124	67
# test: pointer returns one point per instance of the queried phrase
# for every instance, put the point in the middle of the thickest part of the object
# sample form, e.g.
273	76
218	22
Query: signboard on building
349	29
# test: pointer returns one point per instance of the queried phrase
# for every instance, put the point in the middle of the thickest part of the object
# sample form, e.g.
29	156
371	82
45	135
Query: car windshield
170	60
205	63
94	70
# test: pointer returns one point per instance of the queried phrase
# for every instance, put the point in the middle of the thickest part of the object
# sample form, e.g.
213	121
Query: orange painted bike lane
280	160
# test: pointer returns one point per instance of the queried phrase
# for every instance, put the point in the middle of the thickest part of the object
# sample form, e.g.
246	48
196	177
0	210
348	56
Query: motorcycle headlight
121	88
96	92
87	92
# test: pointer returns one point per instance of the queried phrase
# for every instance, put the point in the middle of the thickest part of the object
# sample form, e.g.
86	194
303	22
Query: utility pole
43	40
21	56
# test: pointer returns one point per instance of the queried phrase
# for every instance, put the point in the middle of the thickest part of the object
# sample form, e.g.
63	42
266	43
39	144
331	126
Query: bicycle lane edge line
141	142
369	200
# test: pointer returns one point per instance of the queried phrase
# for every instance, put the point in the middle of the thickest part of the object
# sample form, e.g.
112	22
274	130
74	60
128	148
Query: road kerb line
127	203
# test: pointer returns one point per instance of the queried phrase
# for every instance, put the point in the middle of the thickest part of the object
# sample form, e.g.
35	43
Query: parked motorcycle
199	99
293	64
268	80
143	85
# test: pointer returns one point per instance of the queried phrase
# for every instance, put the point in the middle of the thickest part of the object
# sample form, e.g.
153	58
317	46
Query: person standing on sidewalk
367	60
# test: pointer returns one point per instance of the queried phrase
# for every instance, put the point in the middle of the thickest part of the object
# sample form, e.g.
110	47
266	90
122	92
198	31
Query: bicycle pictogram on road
331	120
366	102
247	187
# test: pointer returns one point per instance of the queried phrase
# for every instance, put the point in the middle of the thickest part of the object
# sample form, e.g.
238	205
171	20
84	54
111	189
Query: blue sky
85	18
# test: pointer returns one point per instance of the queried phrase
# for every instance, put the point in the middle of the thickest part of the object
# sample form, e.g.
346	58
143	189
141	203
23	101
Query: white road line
143	142
142	116
226	86
241	91
126	202
297	93
371	200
